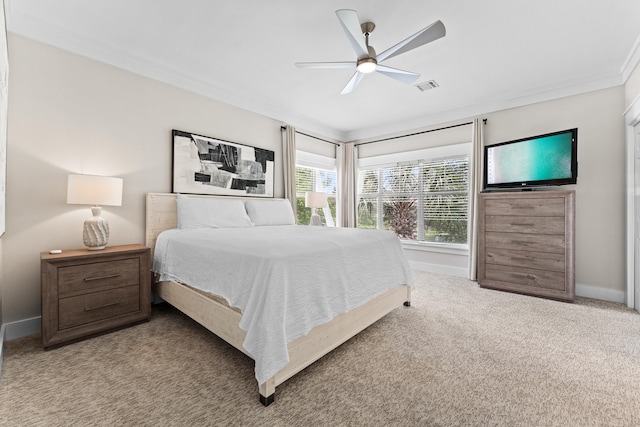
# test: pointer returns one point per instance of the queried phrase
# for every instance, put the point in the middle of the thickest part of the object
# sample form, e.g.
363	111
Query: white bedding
285	279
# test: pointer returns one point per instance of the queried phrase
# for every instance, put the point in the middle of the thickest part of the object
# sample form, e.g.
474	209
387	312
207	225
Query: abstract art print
4	107
205	165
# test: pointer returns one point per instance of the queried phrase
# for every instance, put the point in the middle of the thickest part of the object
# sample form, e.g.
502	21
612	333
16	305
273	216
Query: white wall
69	114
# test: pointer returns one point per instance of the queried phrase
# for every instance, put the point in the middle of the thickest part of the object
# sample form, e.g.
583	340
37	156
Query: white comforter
285	279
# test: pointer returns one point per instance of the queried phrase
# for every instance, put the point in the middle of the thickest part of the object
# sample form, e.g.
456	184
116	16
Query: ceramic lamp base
95	233
315	219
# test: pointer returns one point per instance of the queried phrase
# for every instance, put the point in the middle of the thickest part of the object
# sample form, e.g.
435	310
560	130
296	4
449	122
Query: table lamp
94	190
314	200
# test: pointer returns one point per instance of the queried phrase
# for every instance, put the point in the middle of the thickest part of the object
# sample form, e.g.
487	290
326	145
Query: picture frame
206	165
4	108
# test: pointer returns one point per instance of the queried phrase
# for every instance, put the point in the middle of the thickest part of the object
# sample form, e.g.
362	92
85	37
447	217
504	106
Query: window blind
424	200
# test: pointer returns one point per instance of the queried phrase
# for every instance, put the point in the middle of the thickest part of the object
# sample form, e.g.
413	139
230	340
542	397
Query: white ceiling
496	54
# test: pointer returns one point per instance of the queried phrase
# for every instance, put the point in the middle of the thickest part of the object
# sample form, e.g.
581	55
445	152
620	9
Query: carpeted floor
460	356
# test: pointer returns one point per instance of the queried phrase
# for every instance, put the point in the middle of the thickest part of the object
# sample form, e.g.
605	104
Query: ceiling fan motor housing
367	64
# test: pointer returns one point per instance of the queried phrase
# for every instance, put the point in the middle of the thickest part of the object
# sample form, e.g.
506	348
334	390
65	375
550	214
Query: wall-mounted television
549	159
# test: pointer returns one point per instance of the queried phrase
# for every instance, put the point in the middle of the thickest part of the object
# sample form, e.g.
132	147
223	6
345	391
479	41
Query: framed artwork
4	107
205	165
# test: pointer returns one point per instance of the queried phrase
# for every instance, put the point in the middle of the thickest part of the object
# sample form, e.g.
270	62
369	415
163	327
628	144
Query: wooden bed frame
224	321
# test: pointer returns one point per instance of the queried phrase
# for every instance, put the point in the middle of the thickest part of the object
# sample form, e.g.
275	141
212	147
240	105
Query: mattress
285	280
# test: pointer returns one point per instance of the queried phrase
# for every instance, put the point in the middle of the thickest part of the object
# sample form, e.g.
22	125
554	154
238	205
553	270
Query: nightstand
86	293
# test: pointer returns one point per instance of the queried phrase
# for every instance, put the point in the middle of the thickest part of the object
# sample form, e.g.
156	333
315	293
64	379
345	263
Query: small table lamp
94	190
314	200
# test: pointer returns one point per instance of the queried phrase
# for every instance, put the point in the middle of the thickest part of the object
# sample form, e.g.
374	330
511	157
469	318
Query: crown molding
514	100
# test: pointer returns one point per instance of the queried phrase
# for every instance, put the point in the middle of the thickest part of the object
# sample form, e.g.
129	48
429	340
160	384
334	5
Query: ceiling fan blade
424	36
346	64
402	76
351	24
352	83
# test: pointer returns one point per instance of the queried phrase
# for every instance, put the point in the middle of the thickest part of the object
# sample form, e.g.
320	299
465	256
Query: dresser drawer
525	224
82	309
526	206
526	259
99	276
530	242
525	277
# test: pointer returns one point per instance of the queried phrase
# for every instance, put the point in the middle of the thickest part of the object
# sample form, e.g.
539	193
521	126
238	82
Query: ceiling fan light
367	65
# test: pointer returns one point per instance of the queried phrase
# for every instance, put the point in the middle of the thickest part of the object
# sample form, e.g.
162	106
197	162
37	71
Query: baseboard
438	268
586	291
23	328
1	347
604	294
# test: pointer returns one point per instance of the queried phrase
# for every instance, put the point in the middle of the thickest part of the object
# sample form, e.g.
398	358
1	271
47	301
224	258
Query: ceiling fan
368	61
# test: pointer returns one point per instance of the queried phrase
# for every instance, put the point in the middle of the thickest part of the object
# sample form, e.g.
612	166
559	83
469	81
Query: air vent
431	84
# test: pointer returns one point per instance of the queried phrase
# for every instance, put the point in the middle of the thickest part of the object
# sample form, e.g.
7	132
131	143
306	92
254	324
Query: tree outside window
425	200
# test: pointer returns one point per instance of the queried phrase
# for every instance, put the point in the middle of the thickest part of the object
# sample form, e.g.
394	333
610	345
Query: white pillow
270	212
198	212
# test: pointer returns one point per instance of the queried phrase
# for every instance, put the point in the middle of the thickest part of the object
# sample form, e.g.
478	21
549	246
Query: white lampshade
94	190
315	199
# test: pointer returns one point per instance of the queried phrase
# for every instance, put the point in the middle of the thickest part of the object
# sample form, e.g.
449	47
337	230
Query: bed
283	294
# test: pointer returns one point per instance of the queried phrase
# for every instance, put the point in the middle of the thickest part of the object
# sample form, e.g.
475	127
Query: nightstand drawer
82	309
99	276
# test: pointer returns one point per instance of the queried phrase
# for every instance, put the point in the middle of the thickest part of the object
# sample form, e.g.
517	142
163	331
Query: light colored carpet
460	356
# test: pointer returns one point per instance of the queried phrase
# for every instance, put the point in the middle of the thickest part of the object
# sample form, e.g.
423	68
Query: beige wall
69	114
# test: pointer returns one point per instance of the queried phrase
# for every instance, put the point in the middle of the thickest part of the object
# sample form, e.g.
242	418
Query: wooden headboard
162	213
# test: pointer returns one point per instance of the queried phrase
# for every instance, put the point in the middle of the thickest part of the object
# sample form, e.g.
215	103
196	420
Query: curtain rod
311	136
412	134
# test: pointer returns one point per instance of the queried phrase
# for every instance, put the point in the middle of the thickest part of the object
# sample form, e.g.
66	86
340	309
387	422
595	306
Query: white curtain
347	158
289	160
475	186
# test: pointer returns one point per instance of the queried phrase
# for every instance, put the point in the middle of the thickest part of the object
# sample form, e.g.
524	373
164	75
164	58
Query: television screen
549	159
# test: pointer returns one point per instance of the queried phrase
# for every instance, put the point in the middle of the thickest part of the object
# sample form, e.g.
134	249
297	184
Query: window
421	200
315	173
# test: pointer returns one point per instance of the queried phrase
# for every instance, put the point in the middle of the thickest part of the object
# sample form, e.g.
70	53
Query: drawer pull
110	276
528	276
522	224
101	306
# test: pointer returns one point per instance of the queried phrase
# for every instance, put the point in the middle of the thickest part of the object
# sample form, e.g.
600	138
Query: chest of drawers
526	243
85	293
